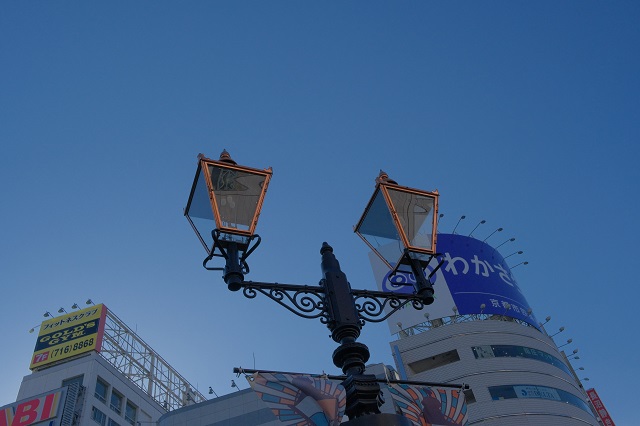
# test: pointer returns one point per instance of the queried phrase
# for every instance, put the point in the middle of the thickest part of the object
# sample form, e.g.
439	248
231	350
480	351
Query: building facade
515	372
89	368
102	396
482	332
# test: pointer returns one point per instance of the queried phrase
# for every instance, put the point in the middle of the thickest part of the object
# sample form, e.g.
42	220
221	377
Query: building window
112	423
116	401
130	413
538	392
518	352
434	361
101	390
98	416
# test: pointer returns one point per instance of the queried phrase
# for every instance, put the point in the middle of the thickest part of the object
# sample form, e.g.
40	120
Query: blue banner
474	279
477	275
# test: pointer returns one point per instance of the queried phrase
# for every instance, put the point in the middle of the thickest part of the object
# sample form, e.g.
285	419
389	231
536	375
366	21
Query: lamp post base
383	419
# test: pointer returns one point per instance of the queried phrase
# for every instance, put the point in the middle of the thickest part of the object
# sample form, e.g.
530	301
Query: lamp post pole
363	396
223	184
344	311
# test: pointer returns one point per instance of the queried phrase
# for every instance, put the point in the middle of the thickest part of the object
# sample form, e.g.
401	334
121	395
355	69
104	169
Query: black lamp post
399	224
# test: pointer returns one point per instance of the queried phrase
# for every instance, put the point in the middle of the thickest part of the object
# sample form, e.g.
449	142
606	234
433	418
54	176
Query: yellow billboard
69	335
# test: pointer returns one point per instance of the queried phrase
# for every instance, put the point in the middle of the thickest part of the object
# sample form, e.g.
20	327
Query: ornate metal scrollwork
371	305
304	301
309	302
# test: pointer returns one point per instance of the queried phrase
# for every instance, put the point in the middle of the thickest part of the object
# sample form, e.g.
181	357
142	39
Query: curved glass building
482	332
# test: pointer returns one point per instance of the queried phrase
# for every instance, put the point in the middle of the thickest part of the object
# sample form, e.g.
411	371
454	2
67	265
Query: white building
90	368
516	373
105	396
480	331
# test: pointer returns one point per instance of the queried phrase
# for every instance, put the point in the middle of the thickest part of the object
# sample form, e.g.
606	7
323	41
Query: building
516	373
96	391
482	332
89	368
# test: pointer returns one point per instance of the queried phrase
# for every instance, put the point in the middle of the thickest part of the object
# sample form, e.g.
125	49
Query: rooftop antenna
568	342
510	239
456	227
497	230
439	219
482	222
521	263
515	252
546	320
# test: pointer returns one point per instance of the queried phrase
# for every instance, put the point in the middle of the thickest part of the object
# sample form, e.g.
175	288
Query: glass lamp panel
237	194
415	213
199	211
243	240
378	230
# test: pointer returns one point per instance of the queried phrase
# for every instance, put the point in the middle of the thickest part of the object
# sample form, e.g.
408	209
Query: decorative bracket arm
303	300
309	301
371	305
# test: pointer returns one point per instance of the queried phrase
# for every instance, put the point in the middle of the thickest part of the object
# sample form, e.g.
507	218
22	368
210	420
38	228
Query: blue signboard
473	279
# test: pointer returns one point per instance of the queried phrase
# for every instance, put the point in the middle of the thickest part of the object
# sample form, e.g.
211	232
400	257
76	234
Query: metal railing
136	360
454	319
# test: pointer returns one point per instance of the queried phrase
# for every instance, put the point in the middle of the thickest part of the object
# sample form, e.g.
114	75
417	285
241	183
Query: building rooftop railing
135	359
454	319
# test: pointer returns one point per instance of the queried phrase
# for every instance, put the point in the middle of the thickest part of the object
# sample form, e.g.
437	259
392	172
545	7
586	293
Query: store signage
473	279
599	406
69	335
34	410
537	392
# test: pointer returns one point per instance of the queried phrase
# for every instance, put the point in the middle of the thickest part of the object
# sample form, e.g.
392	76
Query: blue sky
525	114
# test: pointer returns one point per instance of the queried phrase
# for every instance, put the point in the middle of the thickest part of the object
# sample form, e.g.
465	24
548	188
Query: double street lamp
398	224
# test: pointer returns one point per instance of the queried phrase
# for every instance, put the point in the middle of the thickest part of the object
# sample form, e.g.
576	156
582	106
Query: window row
488	351
538	392
491	351
116	403
101	418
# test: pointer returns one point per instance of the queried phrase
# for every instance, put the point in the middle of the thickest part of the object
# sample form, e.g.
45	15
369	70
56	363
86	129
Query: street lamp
231	197
399	225
401	217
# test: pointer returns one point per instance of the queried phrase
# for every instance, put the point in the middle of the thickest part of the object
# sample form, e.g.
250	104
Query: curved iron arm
304	301
309	301
371	304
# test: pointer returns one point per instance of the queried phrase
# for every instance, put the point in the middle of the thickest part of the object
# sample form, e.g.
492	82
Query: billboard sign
69	335
473	279
599	406
297	399
37	409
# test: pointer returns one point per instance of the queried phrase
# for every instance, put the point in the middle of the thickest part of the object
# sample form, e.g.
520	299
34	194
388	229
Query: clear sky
525	114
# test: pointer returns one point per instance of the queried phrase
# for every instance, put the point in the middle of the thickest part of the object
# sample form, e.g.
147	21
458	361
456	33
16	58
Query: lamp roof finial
384	177
226	157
